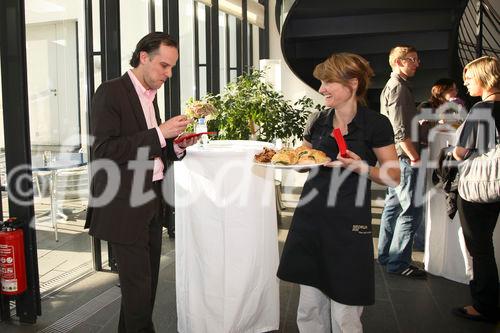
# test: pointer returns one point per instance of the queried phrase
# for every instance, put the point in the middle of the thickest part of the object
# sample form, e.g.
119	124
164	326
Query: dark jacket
119	129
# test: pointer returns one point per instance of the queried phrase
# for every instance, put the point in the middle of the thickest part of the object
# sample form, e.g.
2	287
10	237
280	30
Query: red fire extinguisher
12	263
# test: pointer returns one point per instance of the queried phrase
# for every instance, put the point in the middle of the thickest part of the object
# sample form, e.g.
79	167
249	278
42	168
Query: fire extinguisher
12	263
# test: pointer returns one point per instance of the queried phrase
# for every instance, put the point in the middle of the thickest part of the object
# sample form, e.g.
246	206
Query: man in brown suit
129	153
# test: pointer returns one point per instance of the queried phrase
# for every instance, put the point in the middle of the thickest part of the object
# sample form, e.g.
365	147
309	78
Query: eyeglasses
414	60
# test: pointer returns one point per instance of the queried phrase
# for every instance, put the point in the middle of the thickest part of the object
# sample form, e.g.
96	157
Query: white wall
292	87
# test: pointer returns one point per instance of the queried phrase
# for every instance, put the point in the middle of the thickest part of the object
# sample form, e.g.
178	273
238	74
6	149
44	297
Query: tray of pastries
287	158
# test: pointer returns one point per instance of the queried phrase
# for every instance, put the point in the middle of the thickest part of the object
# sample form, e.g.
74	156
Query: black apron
329	246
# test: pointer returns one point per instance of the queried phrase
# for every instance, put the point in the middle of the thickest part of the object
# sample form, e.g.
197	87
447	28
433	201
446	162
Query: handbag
479	177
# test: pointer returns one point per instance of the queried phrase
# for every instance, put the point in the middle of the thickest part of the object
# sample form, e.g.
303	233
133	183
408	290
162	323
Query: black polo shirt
369	126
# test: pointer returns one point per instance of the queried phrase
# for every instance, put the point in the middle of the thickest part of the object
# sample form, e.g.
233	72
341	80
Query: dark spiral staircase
313	29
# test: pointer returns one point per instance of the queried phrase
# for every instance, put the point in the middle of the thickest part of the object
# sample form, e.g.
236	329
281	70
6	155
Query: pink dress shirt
146	96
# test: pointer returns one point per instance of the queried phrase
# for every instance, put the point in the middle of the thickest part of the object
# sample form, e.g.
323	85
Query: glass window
160	94
203	81
255	55
233	74
159	15
232	43
96	36
223	61
202	34
56	60
186	53
136	11
249	46
96	24
201	74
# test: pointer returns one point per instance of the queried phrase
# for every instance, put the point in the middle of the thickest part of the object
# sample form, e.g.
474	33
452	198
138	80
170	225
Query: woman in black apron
329	249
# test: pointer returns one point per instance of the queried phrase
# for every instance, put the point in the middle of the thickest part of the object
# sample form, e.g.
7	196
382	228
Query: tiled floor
402	305
61	261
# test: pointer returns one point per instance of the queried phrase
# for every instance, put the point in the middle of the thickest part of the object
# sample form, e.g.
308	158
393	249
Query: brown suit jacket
119	129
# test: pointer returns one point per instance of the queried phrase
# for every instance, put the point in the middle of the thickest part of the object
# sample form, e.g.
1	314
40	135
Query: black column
89	50
214	65
244	36
110	69
110	39
172	92
239	47
264	33
17	145
209	63
151	14
172	86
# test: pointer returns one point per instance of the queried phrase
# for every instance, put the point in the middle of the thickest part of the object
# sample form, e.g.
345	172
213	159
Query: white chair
70	191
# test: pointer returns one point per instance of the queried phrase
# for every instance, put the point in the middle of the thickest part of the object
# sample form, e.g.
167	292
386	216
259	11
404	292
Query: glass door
55	55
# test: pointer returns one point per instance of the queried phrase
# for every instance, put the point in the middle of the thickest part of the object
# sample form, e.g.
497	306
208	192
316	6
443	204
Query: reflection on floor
402	305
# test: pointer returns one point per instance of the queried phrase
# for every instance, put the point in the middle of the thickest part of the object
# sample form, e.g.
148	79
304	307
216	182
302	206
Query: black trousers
138	268
478	222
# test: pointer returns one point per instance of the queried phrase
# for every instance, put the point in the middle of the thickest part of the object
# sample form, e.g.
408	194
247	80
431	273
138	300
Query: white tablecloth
226	240
445	251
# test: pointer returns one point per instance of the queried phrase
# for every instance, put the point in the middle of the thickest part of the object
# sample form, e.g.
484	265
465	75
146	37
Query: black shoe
412	272
171	235
462	312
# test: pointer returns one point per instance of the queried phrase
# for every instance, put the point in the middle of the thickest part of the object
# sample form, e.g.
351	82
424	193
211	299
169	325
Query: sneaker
412	272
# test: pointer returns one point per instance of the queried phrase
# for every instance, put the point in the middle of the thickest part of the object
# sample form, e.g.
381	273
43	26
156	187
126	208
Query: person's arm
180	148
409	149
399	108
387	173
467	136
106	128
459	153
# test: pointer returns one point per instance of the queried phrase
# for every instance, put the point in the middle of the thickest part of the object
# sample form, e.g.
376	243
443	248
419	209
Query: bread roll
306	159
285	157
303	150
319	156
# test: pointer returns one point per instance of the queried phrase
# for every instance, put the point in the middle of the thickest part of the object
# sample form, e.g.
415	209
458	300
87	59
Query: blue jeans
400	220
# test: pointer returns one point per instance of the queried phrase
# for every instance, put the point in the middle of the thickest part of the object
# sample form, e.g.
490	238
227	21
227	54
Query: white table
226	240
445	251
59	161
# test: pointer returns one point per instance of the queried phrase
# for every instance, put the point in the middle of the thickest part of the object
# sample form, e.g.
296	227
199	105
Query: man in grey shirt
401	217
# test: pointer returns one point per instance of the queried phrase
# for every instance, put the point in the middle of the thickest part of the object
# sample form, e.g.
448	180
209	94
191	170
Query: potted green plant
250	108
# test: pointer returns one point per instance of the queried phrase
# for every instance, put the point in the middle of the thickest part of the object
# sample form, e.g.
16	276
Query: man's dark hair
150	44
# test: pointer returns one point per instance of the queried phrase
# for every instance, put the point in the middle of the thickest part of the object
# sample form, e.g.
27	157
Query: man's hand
174	126
188	142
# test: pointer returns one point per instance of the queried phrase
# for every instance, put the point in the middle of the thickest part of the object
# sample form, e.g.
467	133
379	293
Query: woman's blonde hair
343	67
486	70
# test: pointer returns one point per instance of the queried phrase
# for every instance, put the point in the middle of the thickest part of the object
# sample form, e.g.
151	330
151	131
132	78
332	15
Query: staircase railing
478	33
